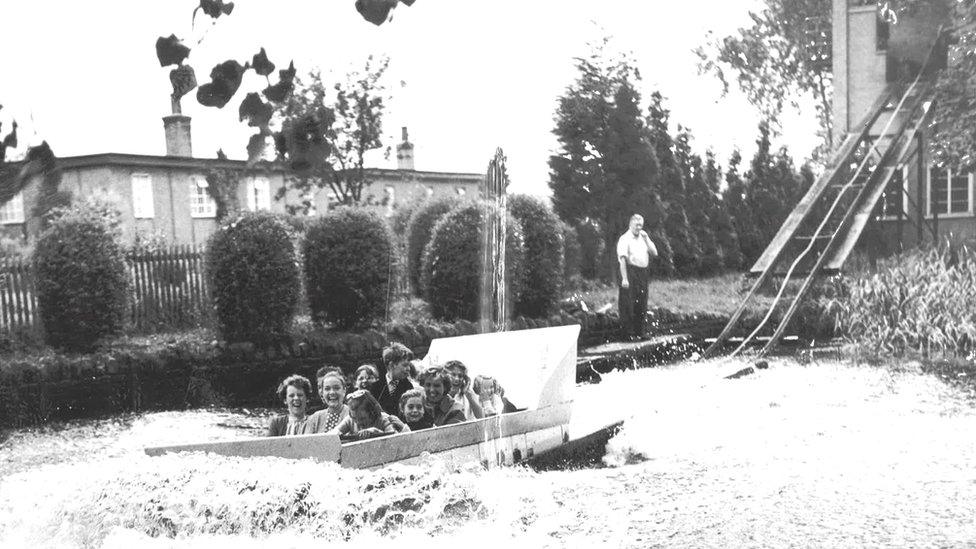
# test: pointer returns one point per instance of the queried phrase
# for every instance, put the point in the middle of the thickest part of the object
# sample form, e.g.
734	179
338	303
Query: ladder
821	231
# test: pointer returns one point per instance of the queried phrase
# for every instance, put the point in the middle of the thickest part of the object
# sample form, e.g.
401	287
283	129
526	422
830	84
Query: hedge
419	230
252	270
452	263
544	250
81	281
349	262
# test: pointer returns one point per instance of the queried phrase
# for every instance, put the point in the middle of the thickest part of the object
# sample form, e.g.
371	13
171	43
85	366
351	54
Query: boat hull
496	440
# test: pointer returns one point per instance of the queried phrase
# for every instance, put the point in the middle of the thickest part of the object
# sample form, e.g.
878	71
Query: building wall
859	66
171	218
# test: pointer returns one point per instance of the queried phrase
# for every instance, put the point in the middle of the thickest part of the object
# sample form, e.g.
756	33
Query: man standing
634	252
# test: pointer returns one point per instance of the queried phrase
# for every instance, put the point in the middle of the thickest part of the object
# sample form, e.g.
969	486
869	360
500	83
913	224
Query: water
827	455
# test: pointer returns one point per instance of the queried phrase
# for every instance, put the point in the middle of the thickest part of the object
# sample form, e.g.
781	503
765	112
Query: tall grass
922	301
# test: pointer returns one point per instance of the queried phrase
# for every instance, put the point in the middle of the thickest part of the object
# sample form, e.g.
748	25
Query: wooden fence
167	291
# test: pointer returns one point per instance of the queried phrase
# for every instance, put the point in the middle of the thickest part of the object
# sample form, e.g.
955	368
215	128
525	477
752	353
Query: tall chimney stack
405	153
177	128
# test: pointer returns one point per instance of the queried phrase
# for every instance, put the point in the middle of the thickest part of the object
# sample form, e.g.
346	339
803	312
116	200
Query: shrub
452	263
348	264
572	254
82	281
591	251
544	249
663	266
418	235
919	301
254	280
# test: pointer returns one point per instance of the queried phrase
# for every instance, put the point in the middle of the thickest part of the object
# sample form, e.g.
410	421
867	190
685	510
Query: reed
921	301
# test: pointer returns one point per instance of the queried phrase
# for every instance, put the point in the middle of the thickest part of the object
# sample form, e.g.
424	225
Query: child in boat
437	388
490	394
461	390
365	375
294	391
366	418
394	382
413	410
332	391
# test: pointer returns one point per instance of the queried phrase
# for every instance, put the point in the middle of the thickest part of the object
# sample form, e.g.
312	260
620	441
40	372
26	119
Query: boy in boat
389	389
365	375
413	410
437	387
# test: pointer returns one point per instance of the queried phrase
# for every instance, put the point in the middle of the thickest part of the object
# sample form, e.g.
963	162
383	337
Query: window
390	199
894	201
142	196
13	210
259	195
201	203
950	193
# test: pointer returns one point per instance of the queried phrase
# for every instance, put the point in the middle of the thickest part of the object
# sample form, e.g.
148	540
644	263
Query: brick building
165	196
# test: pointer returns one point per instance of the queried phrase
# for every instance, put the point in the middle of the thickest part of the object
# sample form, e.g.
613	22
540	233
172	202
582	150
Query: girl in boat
332	391
366	418
461	390
294	391
437	388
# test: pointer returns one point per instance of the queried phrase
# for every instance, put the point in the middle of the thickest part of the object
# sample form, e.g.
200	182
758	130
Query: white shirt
634	248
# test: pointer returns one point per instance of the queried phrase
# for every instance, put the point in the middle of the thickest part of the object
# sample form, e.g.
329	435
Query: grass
719	294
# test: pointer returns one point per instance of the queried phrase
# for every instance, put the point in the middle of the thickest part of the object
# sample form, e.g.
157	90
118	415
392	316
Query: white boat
537	368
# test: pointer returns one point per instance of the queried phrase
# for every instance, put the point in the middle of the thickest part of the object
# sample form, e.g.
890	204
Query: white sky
479	74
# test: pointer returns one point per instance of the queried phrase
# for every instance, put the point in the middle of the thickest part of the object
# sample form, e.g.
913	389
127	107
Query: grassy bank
714	295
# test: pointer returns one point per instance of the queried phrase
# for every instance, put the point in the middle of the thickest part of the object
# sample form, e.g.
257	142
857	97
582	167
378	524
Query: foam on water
824	455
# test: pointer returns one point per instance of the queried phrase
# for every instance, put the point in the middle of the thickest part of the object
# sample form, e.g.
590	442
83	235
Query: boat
536	367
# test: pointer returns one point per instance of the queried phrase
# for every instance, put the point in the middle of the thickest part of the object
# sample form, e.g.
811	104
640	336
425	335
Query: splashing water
830	455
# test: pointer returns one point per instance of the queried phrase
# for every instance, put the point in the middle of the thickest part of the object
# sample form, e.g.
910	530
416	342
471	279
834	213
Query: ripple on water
823	455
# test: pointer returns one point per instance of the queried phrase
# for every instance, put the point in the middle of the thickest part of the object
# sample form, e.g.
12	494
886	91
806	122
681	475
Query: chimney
404	153
177	135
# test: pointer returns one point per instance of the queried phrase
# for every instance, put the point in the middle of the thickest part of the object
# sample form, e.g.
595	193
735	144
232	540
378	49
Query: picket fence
167	291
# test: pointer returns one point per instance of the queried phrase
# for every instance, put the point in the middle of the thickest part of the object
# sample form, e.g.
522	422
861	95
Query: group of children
401	400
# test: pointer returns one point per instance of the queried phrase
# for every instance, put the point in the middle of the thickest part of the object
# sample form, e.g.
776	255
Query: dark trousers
632	301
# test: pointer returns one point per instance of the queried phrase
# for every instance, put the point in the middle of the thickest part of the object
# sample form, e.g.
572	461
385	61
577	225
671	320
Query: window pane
938	187
142	196
201	205
959	193
893	198
13	210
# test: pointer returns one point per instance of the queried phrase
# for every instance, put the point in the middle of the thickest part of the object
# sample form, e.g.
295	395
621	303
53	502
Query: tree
783	55
256	108
605	169
673	159
348	125
719	218
742	218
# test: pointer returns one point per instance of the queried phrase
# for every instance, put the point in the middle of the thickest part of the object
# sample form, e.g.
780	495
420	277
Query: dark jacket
425	422
447	412
390	402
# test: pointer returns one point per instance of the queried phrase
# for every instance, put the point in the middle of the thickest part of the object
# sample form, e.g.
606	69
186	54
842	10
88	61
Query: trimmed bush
81	280
572	254
419	231
252	270
544	251
591	250
452	264
348	255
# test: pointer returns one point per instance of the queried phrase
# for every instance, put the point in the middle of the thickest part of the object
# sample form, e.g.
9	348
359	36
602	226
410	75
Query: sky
465	76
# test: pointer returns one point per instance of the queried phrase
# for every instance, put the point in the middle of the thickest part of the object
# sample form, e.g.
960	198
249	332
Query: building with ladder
879	191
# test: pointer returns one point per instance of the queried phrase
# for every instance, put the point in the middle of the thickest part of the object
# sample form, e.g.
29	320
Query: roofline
150	161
